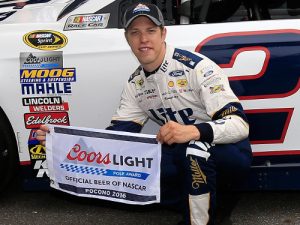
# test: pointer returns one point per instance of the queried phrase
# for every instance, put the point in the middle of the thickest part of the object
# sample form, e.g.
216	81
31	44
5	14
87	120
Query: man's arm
228	121
129	116
128	126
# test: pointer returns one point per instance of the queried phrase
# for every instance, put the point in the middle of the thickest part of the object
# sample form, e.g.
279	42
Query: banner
110	165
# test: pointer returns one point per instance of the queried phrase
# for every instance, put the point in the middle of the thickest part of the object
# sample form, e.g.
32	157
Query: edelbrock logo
35	120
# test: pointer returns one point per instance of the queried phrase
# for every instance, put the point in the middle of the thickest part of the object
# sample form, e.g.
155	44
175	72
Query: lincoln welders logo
45	40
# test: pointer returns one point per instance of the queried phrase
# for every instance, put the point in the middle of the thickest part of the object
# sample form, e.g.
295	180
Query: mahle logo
45	40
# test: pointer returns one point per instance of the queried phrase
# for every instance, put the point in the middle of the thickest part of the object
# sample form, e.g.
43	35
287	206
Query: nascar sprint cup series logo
45	40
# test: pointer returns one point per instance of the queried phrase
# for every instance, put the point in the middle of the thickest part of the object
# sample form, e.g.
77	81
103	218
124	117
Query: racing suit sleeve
129	116
229	123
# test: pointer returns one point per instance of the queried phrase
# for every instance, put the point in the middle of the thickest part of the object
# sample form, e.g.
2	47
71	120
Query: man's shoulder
188	58
136	73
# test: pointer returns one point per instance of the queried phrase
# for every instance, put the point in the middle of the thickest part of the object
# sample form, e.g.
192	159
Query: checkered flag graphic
83	169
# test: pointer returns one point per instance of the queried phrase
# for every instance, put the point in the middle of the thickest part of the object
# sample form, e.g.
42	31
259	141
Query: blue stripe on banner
107	193
105	172
95	134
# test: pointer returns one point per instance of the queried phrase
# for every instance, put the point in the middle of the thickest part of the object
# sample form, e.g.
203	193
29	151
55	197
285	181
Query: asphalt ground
18	207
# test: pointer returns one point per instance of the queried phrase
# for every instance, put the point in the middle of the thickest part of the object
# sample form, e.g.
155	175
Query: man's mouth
144	49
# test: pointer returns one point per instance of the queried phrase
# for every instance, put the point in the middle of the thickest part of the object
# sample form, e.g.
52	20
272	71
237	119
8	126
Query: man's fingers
41	134
44	128
158	136
168	137
41	137
173	132
165	135
171	141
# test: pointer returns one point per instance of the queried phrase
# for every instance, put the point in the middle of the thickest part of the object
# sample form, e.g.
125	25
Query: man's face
147	42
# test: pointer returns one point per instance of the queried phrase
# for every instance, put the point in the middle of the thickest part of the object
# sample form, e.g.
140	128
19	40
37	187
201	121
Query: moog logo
47	75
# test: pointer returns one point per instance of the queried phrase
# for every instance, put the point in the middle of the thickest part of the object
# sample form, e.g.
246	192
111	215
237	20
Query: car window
214	11
219	11
223	11
288	9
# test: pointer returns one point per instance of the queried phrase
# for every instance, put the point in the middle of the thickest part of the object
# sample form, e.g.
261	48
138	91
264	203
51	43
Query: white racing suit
188	88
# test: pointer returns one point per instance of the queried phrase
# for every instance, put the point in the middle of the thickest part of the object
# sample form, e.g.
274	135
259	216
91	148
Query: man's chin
145	61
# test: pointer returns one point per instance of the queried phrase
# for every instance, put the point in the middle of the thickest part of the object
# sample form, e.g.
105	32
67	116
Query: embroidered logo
198	177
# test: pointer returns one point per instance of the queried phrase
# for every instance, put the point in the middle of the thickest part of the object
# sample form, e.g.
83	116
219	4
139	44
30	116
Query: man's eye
133	32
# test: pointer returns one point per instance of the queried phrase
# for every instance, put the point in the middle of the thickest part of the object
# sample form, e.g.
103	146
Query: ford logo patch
176	73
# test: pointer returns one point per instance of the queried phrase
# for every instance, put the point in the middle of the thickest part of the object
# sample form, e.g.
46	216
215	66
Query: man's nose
144	37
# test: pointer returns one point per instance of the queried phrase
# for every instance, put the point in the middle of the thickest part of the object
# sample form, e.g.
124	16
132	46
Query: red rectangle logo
49	108
35	120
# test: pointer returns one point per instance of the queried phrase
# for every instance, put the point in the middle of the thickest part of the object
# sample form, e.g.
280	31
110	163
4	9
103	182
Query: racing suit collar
147	74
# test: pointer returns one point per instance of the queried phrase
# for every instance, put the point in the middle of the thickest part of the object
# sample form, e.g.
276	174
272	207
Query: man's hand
41	134
173	132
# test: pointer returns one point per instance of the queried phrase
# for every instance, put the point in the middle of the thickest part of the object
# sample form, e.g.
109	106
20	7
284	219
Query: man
203	127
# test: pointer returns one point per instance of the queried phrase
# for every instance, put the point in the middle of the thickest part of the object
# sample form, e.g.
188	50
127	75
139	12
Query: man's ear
164	33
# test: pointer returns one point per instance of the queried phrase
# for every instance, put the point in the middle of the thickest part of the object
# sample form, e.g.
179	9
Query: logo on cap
141	8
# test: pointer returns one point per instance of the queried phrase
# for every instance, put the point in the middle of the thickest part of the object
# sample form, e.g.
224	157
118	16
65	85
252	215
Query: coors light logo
80	153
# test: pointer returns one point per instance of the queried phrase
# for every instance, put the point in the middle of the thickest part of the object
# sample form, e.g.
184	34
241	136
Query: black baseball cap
143	9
